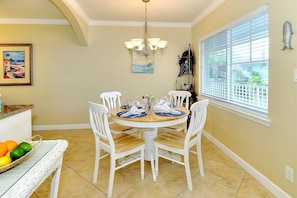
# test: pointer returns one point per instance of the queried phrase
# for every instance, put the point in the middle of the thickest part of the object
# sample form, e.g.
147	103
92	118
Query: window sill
254	116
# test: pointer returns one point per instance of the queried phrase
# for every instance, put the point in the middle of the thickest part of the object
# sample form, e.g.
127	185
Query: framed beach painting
142	64
16	64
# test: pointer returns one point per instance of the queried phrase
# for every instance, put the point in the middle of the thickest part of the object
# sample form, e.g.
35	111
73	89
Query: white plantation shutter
234	64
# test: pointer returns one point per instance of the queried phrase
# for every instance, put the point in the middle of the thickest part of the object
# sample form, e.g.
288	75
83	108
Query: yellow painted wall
67	75
268	149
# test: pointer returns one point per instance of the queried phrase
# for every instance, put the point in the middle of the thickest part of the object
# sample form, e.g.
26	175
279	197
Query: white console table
15	122
22	180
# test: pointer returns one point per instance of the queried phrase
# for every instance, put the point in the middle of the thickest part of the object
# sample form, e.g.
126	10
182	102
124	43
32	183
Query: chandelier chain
146	46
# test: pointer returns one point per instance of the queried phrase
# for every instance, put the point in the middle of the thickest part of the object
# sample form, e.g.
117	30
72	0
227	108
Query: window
234	64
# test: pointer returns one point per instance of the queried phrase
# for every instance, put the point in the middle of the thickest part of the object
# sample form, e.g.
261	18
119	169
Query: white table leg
56	179
149	155
149	135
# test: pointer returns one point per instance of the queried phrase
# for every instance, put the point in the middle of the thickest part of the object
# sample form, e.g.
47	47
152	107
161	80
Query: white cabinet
16	122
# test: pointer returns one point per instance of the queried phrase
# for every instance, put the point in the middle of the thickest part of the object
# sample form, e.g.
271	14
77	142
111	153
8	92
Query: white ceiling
183	11
165	11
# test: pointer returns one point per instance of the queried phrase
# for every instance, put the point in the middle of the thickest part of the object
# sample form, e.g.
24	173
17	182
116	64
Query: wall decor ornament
16	64
143	64
287	35
185	79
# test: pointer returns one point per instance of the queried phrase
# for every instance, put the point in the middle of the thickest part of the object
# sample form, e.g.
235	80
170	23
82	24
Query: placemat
169	114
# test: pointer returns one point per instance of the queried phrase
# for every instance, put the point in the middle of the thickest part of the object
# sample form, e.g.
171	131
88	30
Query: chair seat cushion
125	142
178	126
172	139
119	127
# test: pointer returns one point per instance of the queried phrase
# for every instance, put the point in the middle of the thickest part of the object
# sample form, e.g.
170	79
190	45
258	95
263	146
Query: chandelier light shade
146	46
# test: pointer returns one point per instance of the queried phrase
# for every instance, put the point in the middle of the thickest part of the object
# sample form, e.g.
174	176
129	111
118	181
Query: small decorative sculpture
287	35
185	77
186	62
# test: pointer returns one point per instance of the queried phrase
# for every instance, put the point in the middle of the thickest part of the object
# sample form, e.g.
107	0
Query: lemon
4	160
8	154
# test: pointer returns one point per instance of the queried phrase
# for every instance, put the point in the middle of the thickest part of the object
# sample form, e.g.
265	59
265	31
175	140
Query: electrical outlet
289	174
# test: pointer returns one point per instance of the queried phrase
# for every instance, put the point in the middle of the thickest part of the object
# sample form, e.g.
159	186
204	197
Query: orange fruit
3	149
11	144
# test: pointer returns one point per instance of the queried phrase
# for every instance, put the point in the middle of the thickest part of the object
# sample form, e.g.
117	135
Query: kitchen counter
16	122
10	110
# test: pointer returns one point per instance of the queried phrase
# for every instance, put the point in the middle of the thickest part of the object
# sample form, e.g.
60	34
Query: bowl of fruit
12	153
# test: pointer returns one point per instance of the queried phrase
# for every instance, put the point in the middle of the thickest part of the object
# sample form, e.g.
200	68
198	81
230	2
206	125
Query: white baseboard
60	127
274	189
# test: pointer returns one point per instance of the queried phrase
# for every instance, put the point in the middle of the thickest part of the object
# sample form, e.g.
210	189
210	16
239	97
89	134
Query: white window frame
251	114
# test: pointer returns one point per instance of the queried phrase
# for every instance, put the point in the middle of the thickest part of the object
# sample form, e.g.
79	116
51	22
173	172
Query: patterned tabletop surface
24	179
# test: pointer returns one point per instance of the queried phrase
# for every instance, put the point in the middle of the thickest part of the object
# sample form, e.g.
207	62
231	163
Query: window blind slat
234	64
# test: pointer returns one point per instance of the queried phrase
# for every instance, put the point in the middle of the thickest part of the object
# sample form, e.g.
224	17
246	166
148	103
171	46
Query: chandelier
146	46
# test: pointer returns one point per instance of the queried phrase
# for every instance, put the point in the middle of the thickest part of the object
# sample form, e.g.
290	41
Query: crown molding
75	6
93	23
34	21
138	24
207	11
78	10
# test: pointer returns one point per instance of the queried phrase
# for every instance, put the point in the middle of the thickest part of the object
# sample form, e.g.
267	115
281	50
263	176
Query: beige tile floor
223	178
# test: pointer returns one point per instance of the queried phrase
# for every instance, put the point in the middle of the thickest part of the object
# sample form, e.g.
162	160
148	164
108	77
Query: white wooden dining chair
116	146
180	143
178	98
112	100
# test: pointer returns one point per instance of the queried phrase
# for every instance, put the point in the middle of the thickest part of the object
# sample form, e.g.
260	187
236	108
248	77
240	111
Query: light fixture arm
146	46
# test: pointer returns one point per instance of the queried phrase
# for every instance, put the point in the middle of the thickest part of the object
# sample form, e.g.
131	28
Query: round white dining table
150	124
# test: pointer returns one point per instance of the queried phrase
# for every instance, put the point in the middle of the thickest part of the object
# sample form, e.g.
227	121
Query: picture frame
16	67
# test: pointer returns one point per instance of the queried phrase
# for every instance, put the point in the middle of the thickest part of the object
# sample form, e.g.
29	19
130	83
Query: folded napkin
165	108
134	111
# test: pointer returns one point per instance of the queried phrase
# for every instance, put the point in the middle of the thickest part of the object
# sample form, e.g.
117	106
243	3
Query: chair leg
111	176
188	171
139	134
156	161
153	167
200	162
142	164
97	162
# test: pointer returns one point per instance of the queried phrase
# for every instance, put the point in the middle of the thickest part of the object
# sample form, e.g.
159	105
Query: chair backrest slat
178	97
98	114
198	118
111	100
